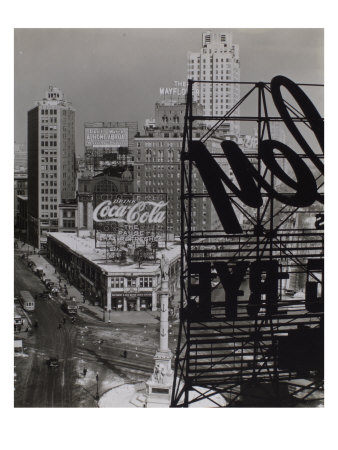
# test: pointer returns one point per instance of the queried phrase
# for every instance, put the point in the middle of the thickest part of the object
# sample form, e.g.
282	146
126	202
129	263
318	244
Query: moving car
70	307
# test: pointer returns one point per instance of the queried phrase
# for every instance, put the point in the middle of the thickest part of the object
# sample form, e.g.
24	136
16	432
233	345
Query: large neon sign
249	179
252	290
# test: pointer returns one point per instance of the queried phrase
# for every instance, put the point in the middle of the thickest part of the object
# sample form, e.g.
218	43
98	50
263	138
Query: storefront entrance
129	303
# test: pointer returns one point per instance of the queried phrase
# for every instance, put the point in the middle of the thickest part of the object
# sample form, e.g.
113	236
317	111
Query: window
69	223
131	282
117	282
146	282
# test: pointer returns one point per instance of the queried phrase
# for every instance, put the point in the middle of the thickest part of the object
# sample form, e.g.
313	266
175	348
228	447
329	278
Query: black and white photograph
168	233
168	222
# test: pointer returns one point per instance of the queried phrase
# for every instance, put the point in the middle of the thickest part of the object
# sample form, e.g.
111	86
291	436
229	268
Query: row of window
48	175
119	282
49	167
49	135
50	199
43	206
49	143
50	183
48	128
68	223
48	152
50	191
48	111
46	215
45	159
211	58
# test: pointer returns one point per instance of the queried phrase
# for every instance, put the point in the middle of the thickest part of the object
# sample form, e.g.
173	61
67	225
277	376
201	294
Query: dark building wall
33	162
22	215
67	149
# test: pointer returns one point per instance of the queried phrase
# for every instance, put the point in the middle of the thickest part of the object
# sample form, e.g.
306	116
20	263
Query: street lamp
97	397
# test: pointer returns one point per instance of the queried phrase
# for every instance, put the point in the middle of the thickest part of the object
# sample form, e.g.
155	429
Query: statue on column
164	268
159	375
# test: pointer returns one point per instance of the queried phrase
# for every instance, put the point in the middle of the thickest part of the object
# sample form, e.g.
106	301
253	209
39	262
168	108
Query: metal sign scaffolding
247	340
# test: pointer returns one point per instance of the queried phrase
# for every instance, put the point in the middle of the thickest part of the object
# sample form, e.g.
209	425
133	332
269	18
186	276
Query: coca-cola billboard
140	218
140	212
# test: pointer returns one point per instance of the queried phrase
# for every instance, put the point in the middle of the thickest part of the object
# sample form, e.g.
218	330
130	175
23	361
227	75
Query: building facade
51	163
217	61
157	163
115	287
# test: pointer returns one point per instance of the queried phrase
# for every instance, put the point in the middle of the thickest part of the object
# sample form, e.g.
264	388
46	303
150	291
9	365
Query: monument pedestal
159	386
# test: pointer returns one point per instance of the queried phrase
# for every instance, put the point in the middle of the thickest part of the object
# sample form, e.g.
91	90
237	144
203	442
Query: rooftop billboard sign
106	137
130	220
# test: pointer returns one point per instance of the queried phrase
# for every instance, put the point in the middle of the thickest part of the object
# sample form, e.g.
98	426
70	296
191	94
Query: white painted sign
106	137
140	212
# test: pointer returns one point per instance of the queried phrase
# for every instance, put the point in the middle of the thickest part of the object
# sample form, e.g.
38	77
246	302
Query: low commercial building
125	285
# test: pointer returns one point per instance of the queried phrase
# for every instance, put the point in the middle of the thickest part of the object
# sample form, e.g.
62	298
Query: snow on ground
121	396
118	397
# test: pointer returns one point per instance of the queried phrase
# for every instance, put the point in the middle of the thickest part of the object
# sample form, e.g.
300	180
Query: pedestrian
60	326
84	371
125	354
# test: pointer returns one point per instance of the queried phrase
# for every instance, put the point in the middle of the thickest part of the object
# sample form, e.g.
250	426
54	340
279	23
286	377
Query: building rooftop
85	246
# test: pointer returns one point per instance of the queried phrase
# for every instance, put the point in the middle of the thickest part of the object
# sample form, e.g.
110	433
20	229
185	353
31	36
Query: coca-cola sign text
140	212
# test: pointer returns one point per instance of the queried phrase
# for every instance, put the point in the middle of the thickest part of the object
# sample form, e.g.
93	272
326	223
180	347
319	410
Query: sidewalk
131	317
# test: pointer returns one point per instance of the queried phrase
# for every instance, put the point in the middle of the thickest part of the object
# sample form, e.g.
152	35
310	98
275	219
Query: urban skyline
115	246
302	61
101	90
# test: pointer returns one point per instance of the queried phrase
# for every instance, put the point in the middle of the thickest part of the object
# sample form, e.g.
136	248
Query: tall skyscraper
51	162
218	60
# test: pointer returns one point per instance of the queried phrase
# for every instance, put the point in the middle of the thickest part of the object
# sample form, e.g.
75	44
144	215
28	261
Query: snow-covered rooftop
85	246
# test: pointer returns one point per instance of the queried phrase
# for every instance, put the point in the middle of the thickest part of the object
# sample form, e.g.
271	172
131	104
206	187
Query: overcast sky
115	74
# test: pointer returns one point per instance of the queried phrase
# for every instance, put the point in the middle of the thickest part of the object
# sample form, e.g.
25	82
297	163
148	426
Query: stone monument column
159	386
154	301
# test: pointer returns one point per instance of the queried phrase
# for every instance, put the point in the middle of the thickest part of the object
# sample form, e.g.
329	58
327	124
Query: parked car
53	363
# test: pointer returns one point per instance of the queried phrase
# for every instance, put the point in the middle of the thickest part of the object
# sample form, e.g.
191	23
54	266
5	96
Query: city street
89	343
